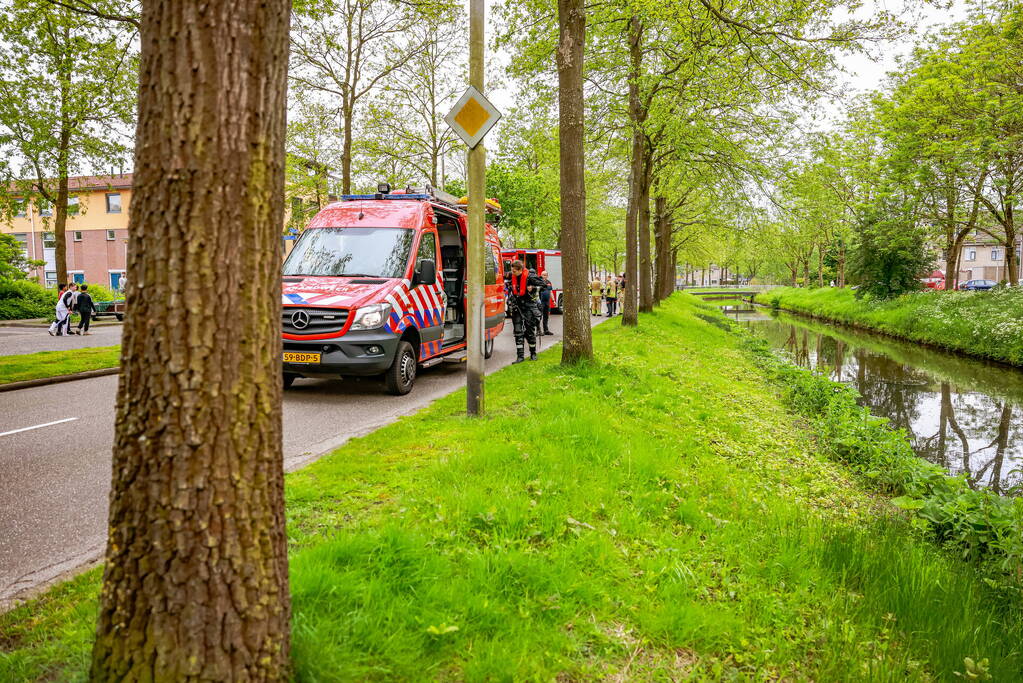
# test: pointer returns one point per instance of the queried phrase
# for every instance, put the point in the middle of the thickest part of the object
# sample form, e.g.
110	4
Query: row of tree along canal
962	413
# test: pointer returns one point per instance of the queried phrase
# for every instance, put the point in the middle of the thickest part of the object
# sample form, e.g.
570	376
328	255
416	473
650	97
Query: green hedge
984	324
24	299
20	299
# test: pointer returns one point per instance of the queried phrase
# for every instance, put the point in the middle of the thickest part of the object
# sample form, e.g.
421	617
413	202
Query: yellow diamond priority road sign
472	116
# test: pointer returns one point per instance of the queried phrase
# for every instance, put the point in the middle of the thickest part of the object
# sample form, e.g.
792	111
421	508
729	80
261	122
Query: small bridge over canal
719	294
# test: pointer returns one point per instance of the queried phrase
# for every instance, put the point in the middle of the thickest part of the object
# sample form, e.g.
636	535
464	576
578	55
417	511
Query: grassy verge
54	363
655	515
982	324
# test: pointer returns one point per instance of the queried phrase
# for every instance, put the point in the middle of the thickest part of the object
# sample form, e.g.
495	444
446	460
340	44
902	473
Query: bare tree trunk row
630	313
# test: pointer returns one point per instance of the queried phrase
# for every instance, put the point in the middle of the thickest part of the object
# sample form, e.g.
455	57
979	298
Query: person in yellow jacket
595	287
611	295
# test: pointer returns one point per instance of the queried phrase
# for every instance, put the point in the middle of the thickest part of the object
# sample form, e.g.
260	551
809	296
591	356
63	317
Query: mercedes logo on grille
300	320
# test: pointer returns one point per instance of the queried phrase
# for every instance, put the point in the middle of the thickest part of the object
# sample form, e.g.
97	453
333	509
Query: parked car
978	285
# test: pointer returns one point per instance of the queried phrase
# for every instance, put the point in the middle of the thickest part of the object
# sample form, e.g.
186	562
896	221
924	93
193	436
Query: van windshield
367	252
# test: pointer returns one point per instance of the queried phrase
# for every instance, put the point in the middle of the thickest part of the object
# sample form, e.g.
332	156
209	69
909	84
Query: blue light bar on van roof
354	197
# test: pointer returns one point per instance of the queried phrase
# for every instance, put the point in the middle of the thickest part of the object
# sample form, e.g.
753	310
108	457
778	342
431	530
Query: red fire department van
541	260
376	285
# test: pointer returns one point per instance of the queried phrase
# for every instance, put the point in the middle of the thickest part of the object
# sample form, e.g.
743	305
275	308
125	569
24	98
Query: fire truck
539	260
376	285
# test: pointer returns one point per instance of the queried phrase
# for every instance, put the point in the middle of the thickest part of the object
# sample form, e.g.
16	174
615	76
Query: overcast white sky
865	71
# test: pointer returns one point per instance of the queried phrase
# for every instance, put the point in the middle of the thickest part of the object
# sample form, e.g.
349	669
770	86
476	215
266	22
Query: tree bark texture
630	312
63	154
60	222
646	295
346	152
662	250
578	340
196	579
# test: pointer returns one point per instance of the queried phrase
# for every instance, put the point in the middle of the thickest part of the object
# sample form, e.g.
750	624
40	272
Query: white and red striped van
376	286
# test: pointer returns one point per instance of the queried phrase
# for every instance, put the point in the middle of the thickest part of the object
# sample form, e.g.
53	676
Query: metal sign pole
477	197
477	192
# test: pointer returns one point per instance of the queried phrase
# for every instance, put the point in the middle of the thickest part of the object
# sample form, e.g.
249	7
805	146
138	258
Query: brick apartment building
97	231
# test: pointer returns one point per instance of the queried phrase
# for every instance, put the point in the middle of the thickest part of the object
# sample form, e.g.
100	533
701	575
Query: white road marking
48	424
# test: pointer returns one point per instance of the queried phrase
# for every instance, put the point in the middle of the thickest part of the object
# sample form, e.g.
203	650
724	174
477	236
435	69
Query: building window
49	240
22	238
45	208
51	278
996	254
111	235
971	254
22	208
115	279
77	277
113	202
72	206
78	235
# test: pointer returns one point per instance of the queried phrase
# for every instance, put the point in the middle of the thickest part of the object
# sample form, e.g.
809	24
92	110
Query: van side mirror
426	274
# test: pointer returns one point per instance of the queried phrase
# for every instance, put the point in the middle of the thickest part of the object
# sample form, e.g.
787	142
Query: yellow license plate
296	357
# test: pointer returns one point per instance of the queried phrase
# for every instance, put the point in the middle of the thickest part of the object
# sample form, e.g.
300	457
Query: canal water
962	413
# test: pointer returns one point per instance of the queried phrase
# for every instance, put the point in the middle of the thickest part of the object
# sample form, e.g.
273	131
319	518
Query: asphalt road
55	455
17	339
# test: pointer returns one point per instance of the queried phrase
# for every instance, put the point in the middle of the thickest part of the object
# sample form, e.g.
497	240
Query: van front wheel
399	377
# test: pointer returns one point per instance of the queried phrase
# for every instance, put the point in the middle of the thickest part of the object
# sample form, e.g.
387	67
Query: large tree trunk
196	579
63	154
1010	246
60	219
578	341
662	247
841	265
630	313
646	296
346	152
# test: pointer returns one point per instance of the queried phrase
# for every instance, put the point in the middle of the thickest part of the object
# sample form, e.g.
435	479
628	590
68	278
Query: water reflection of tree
1000	444
978	433
891	388
936	448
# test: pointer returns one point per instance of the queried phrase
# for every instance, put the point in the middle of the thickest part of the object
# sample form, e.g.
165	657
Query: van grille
320	320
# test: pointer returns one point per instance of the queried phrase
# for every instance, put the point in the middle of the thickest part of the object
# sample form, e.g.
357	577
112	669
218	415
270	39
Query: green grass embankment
983	324
27	366
656	515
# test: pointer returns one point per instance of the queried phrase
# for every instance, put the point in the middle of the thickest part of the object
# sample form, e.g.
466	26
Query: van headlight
370	317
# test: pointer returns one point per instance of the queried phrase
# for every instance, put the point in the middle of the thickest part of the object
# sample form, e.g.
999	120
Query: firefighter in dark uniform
524	289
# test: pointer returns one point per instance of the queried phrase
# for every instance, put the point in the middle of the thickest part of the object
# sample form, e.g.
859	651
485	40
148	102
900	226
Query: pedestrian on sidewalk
72	308
85	309
62	312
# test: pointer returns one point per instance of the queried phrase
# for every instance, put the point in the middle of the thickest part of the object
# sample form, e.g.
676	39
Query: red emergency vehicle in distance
539	260
376	285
